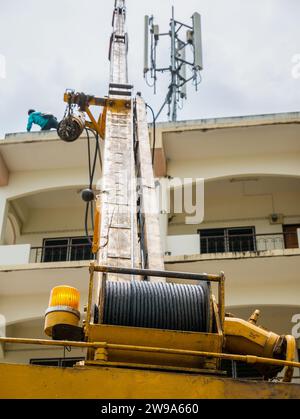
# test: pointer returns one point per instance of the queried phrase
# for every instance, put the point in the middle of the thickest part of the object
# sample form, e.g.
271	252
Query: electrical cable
180	103
197	80
92	169
94	163
99	152
154	132
86	222
147	81
91	183
90	175
89	155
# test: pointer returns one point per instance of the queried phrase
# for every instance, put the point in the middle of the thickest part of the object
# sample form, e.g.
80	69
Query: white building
251	227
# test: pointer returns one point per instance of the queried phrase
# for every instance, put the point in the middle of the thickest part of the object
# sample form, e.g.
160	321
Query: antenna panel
197	41
146	45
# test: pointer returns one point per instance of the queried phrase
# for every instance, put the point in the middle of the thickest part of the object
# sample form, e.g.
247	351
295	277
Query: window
55	250
241	239
291	236
212	241
234	239
80	249
66	249
56	362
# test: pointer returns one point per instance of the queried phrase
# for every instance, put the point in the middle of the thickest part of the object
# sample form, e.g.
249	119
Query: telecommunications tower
186	60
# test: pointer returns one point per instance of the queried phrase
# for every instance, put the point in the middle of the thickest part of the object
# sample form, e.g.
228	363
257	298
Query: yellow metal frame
60	317
108	104
290	356
122	341
82	382
245	337
219	308
154	337
250	343
250	359
186	352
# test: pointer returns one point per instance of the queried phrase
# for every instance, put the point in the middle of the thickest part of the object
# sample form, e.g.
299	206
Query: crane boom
129	230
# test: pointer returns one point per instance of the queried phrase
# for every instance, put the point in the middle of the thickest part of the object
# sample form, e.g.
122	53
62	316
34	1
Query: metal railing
248	243
215	244
61	253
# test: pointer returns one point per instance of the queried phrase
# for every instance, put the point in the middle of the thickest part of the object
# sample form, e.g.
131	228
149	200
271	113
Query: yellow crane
149	333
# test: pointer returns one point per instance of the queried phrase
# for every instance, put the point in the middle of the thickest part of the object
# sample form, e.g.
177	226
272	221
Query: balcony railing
62	253
214	244
248	243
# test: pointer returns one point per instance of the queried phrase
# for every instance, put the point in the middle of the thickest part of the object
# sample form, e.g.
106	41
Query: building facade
250	167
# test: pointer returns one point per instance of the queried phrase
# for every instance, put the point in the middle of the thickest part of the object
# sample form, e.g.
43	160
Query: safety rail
214	244
249	359
61	253
248	242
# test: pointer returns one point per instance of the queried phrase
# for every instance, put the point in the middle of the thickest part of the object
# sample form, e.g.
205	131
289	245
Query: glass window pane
291	236
55	250
241	239
212	240
220	240
80	249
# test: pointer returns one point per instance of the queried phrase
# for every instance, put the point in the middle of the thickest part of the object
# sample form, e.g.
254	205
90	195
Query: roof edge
234	121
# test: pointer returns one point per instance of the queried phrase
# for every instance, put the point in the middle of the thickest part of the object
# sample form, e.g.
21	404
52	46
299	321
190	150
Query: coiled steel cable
158	305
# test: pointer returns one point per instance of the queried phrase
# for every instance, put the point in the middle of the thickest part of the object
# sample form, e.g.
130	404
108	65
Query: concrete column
163	199
3	218
163	226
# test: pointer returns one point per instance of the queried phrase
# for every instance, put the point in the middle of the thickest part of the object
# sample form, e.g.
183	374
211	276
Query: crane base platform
35	382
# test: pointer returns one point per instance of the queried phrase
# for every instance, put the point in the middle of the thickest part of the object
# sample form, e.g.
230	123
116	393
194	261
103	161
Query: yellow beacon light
65	296
63	308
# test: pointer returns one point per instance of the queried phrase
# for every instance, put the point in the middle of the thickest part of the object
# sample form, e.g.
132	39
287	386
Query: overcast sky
53	45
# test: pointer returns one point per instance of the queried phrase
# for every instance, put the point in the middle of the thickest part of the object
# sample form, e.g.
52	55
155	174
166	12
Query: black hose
86	218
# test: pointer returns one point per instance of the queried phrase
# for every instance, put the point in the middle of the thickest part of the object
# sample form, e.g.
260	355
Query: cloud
248	48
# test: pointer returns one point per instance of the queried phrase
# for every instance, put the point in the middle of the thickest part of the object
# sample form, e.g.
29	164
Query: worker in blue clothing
45	121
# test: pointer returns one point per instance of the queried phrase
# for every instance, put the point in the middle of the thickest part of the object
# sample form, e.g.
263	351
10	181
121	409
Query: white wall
187	244
20	307
239	204
22	354
52	223
26	183
285	164
14	255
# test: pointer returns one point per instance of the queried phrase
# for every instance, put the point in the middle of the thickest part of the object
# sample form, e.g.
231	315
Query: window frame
226	239
68	246
286	233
